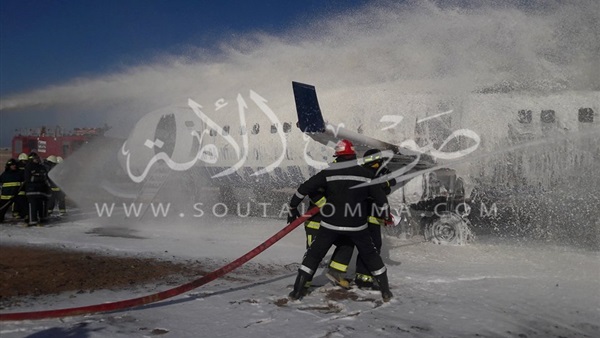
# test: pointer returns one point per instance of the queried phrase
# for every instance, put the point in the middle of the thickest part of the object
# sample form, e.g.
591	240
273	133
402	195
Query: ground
27	272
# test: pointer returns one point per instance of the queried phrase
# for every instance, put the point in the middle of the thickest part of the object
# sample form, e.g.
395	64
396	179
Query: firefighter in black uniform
10	181
343	216
37	190
374	162
20	205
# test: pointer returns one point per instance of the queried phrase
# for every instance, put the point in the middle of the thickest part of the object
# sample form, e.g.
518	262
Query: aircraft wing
311	122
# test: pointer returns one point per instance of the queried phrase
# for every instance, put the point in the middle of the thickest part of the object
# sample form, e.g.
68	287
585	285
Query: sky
90	63
51	41
48	42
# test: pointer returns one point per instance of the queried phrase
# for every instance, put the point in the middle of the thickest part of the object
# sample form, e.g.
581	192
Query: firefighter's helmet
10	162
373	158
59	159
23	157
34	156
344	147
52	159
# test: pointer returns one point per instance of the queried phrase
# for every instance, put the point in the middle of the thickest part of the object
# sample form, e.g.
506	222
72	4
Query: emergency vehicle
53	142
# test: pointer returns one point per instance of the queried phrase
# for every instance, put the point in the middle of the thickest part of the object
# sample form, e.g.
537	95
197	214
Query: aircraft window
243	130
274	128
212	132
255	129
287	127
586	115
189	124
525	116
547	116
225	130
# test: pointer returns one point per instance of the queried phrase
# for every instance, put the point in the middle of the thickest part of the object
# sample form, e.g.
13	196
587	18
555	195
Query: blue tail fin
310	119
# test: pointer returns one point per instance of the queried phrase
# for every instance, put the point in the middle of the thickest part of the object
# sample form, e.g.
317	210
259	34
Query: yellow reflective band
5	197
21	193
321	202
338	266
364	278
372	158
309	240
313	225
55	189
11	184
375	220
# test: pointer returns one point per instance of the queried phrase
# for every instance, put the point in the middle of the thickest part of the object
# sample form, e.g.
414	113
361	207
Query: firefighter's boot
384	285
299	289
338	278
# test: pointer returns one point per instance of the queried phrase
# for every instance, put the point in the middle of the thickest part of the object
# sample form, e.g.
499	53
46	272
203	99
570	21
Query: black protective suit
10	181
37	190
344	215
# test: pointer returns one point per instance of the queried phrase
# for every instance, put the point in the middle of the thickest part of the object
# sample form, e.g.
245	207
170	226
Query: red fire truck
53	142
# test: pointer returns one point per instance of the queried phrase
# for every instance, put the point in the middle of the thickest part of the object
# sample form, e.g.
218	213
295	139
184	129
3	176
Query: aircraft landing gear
449	228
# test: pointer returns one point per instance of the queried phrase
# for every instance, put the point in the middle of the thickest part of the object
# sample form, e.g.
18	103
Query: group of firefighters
352	213
28	192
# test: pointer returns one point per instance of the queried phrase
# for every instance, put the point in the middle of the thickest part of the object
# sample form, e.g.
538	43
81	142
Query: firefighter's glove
390	221
292	215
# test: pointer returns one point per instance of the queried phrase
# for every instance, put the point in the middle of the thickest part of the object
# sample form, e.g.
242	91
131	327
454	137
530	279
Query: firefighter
343	216
338	266
37	189
20	204
57	196
10	181
23	160
375	163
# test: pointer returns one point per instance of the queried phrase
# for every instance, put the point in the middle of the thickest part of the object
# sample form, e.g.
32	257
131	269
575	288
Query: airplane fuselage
245	144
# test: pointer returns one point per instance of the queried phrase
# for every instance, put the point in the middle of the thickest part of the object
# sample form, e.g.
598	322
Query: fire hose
159	296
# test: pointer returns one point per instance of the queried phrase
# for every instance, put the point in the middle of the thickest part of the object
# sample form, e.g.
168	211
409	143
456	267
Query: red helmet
344	147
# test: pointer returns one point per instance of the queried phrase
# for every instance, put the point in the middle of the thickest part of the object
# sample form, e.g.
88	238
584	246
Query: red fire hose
129	303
